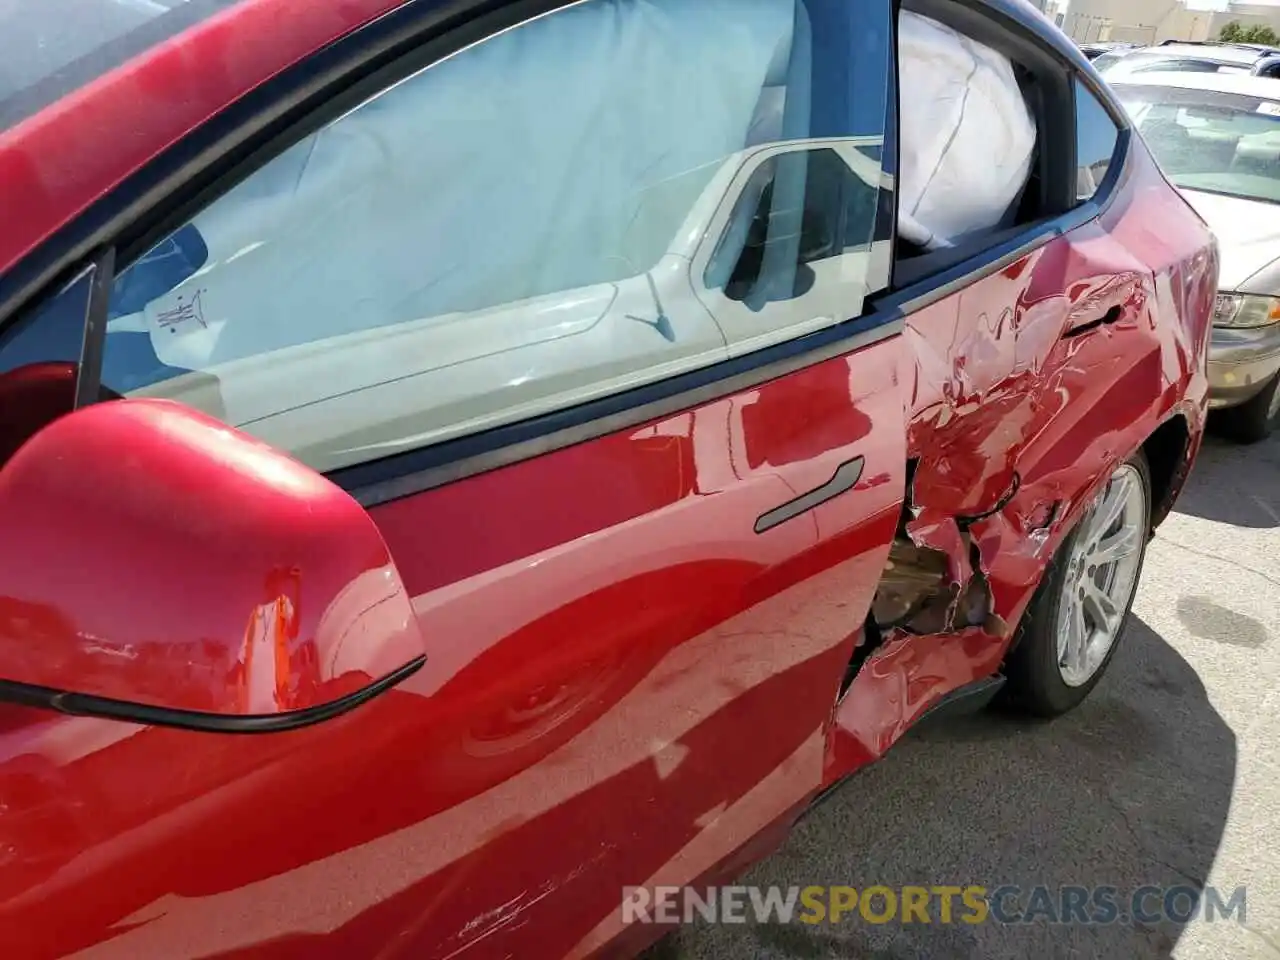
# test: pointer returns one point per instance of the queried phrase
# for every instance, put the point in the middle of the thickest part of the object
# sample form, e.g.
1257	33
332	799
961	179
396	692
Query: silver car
1203	57
1217	137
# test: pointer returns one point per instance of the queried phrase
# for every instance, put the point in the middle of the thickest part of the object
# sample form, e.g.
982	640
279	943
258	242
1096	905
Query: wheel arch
1169	455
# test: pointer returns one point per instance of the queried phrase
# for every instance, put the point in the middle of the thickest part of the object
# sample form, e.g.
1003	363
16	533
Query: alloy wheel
1102	573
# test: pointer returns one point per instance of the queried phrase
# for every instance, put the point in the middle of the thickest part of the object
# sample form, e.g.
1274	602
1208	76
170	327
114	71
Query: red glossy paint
606	700
286	600
31	397
624	684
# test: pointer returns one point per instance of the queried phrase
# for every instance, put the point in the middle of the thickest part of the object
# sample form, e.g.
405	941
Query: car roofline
123	99
52	223
1267	88
1225	55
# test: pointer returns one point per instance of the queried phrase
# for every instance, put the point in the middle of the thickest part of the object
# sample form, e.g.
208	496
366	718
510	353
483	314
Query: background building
1153	21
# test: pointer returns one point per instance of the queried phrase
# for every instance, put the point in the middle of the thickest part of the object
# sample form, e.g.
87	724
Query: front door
582	332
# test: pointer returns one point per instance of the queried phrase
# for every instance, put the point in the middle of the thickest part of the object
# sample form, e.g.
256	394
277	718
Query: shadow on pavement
1131	789
1236	484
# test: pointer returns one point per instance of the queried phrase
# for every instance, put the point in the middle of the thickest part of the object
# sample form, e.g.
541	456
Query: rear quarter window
1096	138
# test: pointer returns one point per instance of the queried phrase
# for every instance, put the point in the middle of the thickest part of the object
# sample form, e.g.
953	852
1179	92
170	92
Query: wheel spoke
1124	543
1101	608
1100	575
1072	645
1110	507
1082	633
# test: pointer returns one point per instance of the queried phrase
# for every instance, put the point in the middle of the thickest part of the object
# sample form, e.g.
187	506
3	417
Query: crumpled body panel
1024	390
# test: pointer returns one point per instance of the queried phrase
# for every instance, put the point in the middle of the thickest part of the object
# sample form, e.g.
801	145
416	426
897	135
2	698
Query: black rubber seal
83	705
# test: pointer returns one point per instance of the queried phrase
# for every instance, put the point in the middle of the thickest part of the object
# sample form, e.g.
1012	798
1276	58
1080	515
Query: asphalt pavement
1168	775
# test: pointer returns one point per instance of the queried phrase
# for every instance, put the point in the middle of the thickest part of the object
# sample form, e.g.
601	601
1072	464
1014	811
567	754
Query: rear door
599	369
1034	353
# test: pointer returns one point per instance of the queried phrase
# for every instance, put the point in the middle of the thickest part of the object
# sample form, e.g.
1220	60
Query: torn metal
920	594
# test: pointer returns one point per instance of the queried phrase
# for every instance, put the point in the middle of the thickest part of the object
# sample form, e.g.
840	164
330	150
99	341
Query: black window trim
89	369
247	134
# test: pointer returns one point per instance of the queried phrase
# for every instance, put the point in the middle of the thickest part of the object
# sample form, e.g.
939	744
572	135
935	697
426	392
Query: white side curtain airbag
562	154
967	136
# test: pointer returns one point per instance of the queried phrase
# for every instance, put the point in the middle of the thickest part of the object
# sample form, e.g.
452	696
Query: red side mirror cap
162	567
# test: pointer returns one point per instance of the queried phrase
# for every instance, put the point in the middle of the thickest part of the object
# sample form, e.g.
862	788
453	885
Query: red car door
625	682
641	514
1067	339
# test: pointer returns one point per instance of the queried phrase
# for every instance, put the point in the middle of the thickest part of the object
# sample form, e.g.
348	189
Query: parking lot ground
1168	775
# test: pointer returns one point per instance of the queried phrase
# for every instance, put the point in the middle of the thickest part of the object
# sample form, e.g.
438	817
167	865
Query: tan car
1217	137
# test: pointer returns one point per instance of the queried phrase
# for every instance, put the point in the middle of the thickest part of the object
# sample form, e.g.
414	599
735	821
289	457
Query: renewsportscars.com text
939	904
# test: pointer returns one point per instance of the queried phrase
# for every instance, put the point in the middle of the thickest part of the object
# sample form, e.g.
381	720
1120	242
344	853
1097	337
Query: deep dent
1014	416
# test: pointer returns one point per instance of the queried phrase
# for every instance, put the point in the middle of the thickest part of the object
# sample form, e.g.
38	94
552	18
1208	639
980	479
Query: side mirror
32	397
161	567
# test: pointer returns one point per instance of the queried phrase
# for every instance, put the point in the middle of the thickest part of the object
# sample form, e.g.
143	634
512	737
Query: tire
1254	421
1035	670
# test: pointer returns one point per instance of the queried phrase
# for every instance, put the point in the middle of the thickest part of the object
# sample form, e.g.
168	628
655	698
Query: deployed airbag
550	158
967	136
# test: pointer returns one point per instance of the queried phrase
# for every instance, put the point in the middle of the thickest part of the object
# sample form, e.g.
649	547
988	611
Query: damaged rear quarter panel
1027	388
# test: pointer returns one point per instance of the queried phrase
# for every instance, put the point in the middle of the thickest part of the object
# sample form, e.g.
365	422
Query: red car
461	459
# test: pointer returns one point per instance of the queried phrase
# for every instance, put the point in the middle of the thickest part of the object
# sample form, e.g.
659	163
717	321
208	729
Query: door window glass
52	333
838	214
515	229
799	247
39	364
